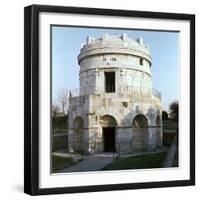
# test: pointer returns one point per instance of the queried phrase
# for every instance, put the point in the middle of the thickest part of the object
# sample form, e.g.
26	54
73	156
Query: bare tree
55	110
62	97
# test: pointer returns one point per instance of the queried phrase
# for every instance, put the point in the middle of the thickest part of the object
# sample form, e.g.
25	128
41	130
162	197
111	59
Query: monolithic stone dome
115	44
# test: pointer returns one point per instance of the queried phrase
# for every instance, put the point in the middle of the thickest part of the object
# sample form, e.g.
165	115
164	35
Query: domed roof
114	41
108	44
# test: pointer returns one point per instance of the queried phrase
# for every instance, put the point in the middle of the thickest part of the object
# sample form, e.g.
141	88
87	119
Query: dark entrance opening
109	139
110	81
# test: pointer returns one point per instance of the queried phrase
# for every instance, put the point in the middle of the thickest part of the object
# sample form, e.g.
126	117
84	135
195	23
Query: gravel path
97	162
90	163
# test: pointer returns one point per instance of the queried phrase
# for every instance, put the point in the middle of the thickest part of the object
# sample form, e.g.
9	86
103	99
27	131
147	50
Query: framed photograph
109	99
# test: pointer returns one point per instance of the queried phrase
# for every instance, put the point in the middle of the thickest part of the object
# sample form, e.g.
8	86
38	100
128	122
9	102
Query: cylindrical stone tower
116	104
129	59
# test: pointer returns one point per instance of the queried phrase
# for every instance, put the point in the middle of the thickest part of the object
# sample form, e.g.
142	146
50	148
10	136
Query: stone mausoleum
115	109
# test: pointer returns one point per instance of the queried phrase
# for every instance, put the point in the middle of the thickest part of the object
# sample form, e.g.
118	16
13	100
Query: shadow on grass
138	162
59	162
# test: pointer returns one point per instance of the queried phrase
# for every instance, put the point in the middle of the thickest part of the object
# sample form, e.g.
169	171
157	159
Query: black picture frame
31	98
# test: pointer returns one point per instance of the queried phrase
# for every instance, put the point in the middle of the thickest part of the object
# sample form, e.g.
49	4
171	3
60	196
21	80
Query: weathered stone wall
131	61
129	80
59	141
128	138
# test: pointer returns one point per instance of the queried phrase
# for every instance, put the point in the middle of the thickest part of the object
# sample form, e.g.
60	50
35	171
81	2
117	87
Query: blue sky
66	44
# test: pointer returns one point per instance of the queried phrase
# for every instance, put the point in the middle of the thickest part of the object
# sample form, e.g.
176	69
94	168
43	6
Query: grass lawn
138	162
59	162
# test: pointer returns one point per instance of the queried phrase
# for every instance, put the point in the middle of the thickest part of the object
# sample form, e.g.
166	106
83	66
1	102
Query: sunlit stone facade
115	108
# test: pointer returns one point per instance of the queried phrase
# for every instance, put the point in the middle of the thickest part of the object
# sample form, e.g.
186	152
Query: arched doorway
140	132
78	133
108	124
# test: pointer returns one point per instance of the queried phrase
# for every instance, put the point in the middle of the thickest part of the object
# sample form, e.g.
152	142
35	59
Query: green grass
138	162
59	162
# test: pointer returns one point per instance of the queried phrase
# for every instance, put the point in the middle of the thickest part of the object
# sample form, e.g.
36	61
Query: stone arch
108	121
108	127
78	124
110	111
158	121
140	132
140	121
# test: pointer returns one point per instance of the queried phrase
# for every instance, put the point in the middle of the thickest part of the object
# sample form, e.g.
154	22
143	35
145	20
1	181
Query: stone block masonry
115	109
